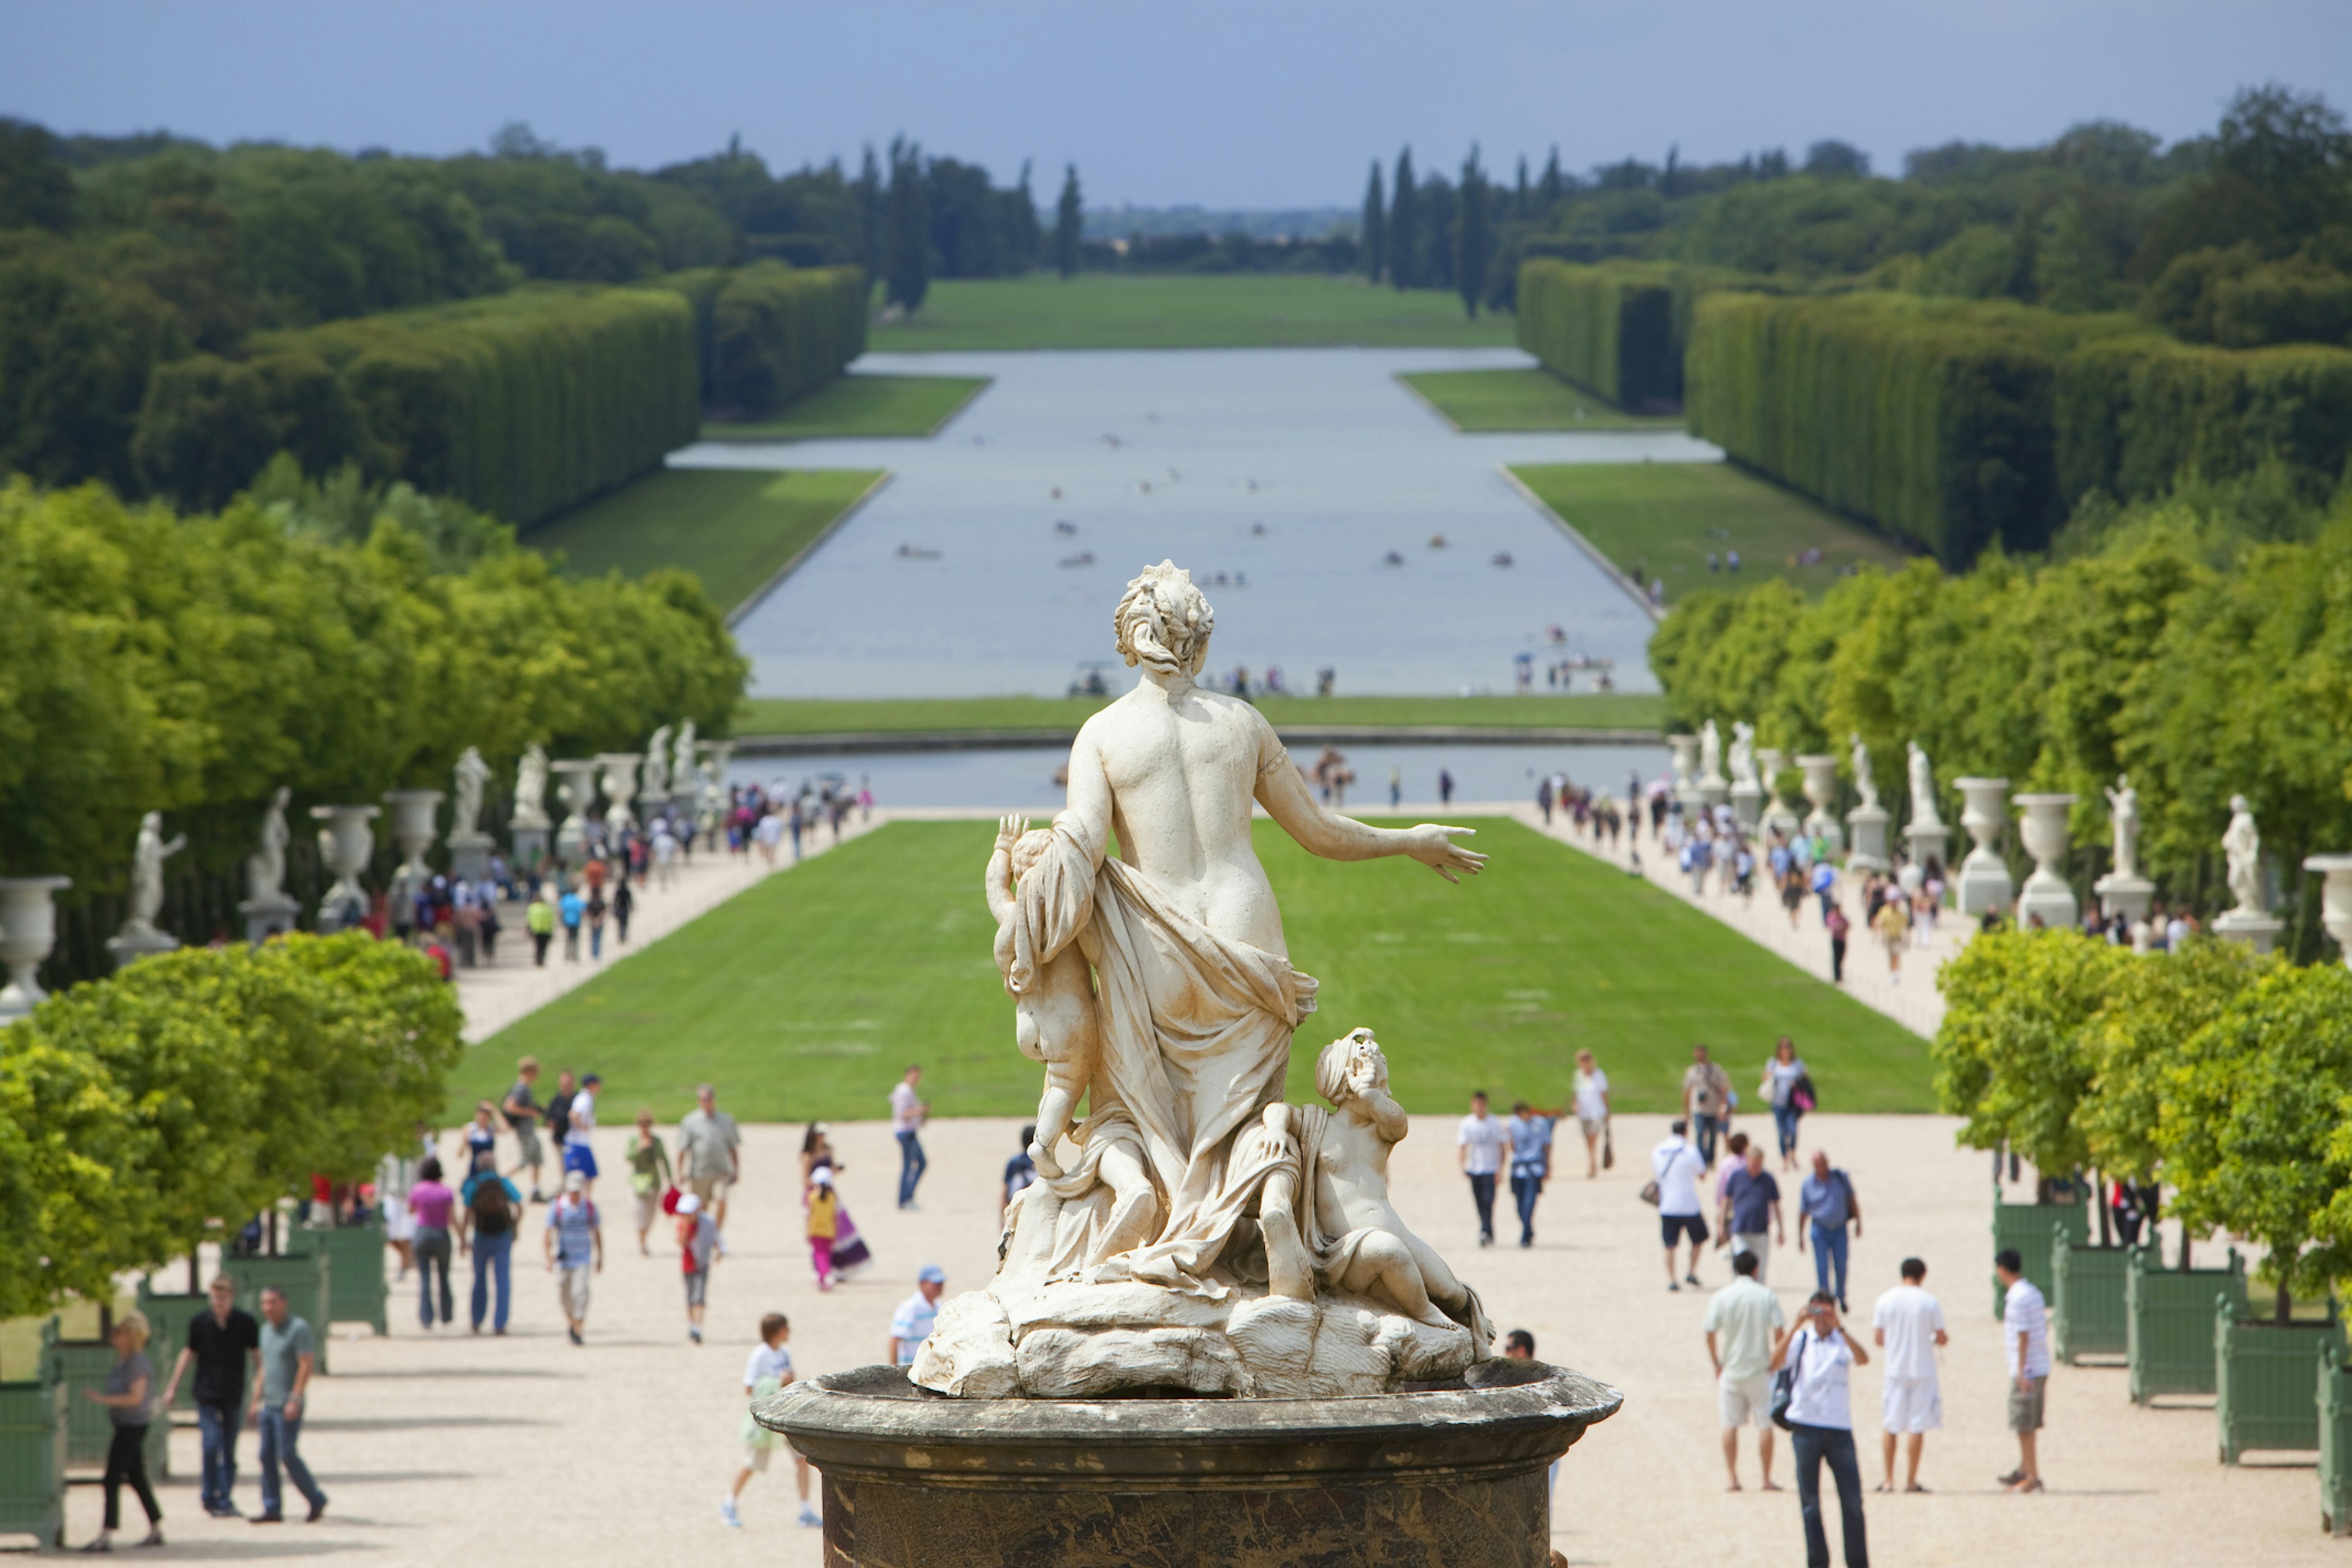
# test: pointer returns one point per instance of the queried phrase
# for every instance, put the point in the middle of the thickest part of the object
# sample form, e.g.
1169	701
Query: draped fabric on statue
1195	1034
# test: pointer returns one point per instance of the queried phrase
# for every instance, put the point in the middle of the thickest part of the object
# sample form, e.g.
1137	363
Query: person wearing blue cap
911	1325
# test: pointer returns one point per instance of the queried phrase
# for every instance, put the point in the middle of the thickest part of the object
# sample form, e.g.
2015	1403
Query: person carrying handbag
1813	1363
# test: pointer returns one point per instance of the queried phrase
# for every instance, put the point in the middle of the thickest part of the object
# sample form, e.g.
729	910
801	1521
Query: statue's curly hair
1163	620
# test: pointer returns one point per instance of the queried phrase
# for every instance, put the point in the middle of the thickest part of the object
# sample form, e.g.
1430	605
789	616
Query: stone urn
1685	765
347	844
1772	762
620	788
28	933
415	815
576	787
2046	893
1984	882
1821	790
2335	899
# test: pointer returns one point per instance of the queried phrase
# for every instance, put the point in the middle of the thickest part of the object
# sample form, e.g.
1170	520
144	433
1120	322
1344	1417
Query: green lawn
1100	311
855	405
1524	399
1665	517
804	996
811	716
733	528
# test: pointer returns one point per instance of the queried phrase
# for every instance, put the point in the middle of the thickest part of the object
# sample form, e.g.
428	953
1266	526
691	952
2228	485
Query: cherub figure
1053	1015
1330	1218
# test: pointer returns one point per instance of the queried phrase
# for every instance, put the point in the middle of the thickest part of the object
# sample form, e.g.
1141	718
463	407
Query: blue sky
1245	103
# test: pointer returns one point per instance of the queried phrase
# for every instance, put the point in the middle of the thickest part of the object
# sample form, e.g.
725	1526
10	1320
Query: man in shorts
1740	1324
523	1112
575	1248
1909	1322
1677	1168
1706	1101
2025	1335
579	1146
710	1153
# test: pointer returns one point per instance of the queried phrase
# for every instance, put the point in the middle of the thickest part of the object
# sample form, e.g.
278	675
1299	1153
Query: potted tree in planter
2248	1134
2012	1057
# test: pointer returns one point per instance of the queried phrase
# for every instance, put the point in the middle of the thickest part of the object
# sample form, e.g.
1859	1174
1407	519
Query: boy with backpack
490	1211
575	1245
767	1370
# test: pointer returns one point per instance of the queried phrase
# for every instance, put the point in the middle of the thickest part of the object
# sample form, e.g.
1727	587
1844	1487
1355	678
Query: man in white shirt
1909	1323
1478	1147
912	1323
1821	1356
1742	1322
1677	1169
907	1111
1592	1110
579	1150
2025	1334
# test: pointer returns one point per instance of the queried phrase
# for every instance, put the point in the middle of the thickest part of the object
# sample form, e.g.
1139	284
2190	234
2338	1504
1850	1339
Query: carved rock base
1438	1477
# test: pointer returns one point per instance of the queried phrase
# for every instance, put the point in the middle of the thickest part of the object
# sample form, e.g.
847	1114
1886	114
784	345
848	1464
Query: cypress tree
1553	188
1474	235
907	259
1520	208
1376	225
1069	215
869	215
1404	224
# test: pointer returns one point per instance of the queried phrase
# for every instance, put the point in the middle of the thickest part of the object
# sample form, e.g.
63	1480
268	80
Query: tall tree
906	232
1519	207
1376	225
1553	187
1474	234
1404	224
869	212
1069	217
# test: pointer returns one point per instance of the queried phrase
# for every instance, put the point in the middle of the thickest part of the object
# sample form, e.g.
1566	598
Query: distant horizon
1228	107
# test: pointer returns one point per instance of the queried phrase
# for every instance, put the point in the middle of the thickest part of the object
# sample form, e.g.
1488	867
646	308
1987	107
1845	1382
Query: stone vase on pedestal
1779	814
620	788
348	844
1748	805
1984	882
1686	764
2335	899
2046	893
1870	825
1454	1476
1821	789
28	933
576	787
414	814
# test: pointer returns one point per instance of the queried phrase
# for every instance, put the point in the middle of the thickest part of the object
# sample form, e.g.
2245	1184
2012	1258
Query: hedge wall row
1953	423
778	332
1618	329
520	404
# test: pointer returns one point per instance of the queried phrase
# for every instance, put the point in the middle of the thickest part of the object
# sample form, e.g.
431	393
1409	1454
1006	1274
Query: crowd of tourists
762	817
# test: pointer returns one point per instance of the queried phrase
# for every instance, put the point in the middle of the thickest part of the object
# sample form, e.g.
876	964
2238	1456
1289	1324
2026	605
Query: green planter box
2086	1309
305	1277
2029	1228
2169	1316
355	1276
33	1452
2263	1375
167	1320
2334	1441
89	1425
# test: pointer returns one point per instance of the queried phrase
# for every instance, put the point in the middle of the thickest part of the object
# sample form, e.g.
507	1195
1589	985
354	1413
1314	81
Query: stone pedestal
127	947
1985	883
1779	814
266	917
1686	755
620	788
1713	791
1450	1477
2335	898
1923	842
1821	789
2249	926
1748	805
527	847
2129	897
2046	892
469	854
1870	825
576	788
28	931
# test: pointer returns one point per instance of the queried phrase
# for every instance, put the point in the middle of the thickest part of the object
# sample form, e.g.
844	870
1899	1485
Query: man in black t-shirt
223	1342
1020	1172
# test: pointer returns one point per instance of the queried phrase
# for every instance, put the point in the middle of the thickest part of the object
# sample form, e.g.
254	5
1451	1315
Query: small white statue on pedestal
1862	783
147	857
472	773
2123	808
686	769
1743	754
1923	788
2242	844
655	789
265	869
1710	753
531	788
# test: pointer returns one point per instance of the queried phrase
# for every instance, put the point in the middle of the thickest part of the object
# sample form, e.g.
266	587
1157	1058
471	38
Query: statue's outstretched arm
1286	799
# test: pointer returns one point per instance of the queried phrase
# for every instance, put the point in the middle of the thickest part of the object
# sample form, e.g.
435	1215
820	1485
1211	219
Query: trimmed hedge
522	405
778	332
2135	413
1932	418
1618	329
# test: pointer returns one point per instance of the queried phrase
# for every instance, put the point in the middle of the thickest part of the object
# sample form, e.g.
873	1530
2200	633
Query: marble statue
1862	783
147	859
471	775
655	789
1710	753
686	770
2123	810
1743	754
1151	1257
531	788
1923	788
265	869
2242	844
